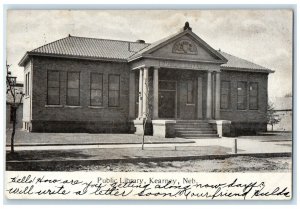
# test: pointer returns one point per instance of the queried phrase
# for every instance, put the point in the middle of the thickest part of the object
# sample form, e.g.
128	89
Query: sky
260	36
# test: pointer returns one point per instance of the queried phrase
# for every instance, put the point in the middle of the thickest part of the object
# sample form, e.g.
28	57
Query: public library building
181	85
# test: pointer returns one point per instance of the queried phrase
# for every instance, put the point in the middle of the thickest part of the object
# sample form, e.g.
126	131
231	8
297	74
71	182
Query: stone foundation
80	126
164	128
139	129
221	126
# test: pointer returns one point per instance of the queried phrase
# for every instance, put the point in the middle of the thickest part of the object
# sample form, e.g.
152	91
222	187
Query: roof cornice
247	69
26	56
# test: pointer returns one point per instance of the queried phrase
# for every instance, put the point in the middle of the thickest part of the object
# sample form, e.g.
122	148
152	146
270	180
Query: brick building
187	88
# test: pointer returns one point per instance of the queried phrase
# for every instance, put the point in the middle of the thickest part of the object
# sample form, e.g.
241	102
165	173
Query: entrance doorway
167	99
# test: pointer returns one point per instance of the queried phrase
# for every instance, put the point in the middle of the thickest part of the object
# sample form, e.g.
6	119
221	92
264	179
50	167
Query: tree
17	97
147	114
272	117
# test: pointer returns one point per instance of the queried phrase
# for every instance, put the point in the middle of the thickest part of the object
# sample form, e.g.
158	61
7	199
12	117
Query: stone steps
194	129
199	136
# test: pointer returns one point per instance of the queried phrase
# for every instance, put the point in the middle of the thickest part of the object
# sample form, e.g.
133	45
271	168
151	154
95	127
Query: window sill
70	106
190	104
248	110
96	107
114	107
53	105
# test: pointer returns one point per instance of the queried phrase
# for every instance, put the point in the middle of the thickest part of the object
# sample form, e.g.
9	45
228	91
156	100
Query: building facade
78	84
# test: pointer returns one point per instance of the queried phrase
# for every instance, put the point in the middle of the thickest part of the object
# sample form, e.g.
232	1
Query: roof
173	37
153	45
282	103
117	50
239	63
92	47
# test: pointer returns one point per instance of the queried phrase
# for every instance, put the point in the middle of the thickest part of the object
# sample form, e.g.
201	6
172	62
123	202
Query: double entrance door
167	96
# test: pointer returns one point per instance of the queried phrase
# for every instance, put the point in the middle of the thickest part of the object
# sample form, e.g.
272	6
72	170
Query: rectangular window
253	96
26	84
53	88
27	80
241	95
225	94
73	88
96	89
190	92
113	90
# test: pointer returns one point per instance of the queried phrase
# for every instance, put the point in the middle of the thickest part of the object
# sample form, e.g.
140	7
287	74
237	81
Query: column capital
214	71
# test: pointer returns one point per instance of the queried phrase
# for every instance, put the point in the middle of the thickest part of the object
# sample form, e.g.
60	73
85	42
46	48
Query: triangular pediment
183	46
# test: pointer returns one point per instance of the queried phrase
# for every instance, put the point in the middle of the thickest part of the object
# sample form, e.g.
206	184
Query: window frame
91	74
245	96
67	88
119	90
228	96
256	96
52	71
27	85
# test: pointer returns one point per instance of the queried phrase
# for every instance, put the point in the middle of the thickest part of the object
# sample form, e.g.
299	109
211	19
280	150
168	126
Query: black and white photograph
150	104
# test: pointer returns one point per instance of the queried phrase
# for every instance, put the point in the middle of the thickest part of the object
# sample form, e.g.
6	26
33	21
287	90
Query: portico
175	79
152	90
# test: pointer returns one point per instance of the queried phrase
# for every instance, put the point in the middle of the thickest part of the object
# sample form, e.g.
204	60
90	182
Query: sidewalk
162	150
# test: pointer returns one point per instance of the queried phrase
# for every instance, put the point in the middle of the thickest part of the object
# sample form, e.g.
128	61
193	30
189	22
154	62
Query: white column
208	96
132	95
141	93
199	105
155	93
145	91
217	95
